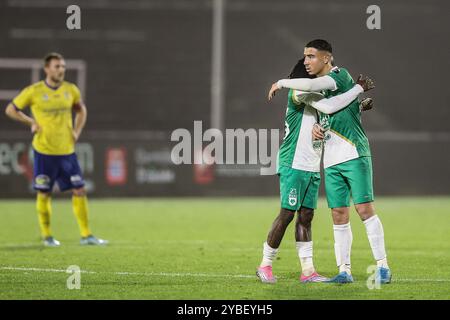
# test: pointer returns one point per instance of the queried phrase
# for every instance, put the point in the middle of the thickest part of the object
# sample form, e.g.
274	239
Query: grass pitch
209	249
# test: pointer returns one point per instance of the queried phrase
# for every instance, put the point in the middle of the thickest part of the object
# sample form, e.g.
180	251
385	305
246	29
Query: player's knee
80	192
286	215
365	210
305	216
340	215
342	211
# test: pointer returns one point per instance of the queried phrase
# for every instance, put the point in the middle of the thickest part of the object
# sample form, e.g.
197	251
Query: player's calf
270	247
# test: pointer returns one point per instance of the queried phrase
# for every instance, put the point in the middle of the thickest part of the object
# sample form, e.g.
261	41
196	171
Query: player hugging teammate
315	84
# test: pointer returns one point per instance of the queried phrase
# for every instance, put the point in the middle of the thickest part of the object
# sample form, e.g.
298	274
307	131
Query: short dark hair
51	56
299	71
320	44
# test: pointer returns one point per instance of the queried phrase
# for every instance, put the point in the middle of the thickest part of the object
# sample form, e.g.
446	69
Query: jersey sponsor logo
42	181
292	197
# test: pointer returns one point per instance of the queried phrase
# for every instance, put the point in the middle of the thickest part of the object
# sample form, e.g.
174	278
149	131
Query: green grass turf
209	249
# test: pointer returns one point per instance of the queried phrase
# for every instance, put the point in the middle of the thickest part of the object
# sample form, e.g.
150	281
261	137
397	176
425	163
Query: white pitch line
166	274
40	269
203	275
420	280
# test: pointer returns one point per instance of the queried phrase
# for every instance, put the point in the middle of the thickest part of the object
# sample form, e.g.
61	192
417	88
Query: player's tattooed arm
366	104
17	115
365	82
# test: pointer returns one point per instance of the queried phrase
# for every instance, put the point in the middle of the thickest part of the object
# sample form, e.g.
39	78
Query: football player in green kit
299	171
347	160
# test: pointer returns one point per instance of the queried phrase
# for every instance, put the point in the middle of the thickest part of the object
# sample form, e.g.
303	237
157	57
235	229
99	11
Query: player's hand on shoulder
365	82
272	91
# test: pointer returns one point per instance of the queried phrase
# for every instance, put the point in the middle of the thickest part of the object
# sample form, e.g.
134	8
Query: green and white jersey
297	150
345	138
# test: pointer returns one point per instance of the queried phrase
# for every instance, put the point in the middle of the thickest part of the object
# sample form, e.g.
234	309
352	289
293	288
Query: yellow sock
44	209
80	209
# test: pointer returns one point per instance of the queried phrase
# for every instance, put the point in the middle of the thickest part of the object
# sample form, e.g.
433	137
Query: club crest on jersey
66	95
292	197
45	97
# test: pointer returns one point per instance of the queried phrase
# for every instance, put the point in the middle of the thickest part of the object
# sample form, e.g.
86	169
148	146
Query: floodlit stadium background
147	68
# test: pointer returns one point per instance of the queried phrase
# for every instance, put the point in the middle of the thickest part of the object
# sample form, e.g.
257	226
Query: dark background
149	72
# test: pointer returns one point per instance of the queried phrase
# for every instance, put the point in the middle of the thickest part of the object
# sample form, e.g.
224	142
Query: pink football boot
265	274
315	277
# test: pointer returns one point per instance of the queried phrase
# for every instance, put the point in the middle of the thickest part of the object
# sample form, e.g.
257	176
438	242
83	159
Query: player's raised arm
339	102
311	85
315	85
336	103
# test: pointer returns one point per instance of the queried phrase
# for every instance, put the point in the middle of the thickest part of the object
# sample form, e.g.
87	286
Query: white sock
305	254
375	233
382	263
343	238
269	254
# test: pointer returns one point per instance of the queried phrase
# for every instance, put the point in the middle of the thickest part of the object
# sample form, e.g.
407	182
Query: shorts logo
293	197
42	181
76	179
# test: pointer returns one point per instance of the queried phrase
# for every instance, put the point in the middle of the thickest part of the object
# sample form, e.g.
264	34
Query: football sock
305	254
269	254
375	233
382	263
80	209
342	246
44	209
345	267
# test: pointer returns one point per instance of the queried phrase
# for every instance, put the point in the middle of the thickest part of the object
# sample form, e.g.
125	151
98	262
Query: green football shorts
353	177
298	188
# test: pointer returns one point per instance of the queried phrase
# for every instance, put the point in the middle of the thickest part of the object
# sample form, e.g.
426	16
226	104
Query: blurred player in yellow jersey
52	102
